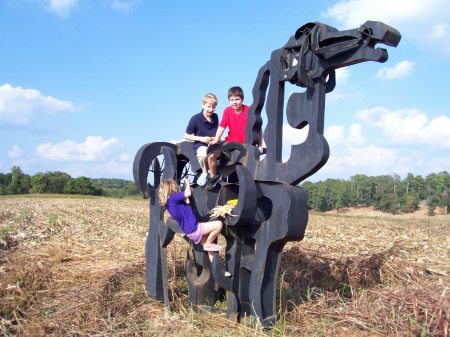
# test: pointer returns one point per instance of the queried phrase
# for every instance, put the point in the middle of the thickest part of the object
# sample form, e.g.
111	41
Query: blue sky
85	83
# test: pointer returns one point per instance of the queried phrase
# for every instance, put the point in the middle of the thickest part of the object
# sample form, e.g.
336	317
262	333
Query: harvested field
76	267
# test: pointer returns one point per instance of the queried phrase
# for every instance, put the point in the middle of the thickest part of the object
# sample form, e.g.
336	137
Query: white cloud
15	152
355	136
62	8
440	31
108	169
438	39
174	141
349	155
409	126
125	5
18	106
343	91
401	69
413	18
336	136
352	13
92	149
293	136
342	76
363	159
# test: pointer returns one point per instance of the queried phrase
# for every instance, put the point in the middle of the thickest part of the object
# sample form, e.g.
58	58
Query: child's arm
260	143
203	139
187	188
219	133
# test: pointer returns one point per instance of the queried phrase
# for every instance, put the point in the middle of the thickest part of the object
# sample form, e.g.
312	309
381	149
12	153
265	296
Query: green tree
39	183
57	181
389	203
438	190
413	185
5	180
132	188
364	188
20	182
80	185
410	203
114	187
316	195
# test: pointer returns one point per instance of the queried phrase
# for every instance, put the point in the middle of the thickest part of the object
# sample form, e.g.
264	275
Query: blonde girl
177	204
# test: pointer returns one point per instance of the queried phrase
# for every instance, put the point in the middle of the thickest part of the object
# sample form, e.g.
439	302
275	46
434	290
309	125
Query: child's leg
202	157
212	163
211	231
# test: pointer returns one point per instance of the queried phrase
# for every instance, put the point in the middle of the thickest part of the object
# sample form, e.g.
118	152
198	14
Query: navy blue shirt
200	126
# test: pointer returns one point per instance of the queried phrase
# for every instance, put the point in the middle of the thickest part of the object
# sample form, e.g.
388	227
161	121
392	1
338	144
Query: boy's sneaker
212	247
212	182
202	179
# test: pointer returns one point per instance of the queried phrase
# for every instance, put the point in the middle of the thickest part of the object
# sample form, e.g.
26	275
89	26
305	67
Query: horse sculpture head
308	60
316	50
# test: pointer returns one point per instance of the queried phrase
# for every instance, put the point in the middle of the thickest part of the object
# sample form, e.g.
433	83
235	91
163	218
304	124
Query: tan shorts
202	157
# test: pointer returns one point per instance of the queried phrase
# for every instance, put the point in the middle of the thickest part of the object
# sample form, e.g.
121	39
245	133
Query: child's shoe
211	247
202	179
212	182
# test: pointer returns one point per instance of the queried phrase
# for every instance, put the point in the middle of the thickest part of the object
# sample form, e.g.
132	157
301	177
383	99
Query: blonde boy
201	130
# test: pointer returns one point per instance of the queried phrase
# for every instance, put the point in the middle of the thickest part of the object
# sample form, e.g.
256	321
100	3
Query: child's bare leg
202	157
210	256
212	163
211	230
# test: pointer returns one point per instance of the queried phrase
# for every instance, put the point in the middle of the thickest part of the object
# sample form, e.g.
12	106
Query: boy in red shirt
235	119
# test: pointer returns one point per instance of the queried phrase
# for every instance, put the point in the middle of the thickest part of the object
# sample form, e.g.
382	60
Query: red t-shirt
236	124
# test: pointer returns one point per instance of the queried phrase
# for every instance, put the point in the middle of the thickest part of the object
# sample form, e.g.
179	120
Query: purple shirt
182	212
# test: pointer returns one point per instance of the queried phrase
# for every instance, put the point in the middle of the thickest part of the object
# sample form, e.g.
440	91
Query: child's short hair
166	188
210	98
236	91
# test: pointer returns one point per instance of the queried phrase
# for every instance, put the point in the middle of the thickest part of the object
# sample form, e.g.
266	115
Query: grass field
76	267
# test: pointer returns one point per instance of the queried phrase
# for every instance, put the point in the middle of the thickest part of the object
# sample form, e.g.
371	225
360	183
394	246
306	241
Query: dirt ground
76	267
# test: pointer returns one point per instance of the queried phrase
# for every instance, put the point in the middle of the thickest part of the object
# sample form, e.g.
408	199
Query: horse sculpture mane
271	208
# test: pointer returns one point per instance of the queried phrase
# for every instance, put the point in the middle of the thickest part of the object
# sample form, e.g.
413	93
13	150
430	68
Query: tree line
385	193
18	182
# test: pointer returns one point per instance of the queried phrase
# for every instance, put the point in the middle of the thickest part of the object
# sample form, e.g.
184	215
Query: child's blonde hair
210	98
166	188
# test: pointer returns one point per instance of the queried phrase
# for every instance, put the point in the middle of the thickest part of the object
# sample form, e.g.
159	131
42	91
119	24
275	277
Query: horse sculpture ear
308	27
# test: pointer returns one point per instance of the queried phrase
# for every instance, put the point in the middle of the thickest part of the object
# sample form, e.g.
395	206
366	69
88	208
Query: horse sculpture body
271	209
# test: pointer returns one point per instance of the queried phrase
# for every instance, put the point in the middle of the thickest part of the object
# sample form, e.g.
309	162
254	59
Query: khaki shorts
202	156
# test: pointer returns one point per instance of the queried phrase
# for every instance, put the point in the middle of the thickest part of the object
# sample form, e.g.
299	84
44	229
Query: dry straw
76	267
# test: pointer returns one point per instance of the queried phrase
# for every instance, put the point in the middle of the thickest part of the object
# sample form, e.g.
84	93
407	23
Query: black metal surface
271	209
